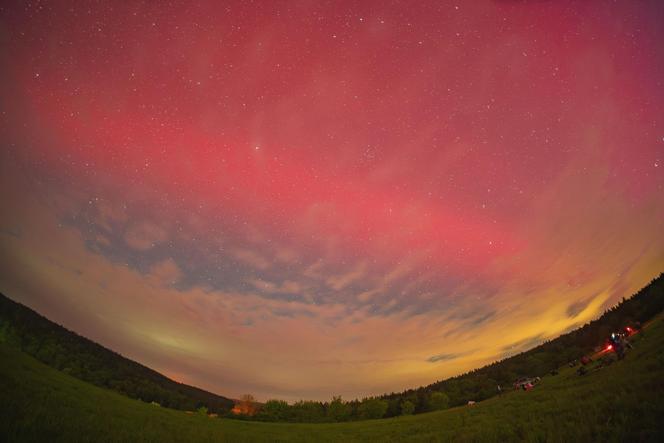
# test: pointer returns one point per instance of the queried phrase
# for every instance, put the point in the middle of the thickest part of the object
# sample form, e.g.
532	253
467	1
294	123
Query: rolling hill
84	359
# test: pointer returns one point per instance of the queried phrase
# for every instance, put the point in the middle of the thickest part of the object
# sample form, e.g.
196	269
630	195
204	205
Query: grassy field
621	402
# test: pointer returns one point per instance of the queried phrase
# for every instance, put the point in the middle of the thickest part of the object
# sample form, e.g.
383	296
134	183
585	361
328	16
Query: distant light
608	348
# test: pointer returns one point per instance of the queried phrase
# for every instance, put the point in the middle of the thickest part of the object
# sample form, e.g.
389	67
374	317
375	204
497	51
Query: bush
275	410
371	408
338	410
438	401
407	408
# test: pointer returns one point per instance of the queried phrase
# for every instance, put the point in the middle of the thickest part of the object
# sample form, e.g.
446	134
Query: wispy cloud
444	357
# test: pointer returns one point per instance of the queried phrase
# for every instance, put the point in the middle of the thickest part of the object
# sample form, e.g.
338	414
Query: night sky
305	198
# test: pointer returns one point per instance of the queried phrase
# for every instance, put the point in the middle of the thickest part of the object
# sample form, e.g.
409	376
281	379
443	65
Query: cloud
365	296
110	213
166	272
291	287
577	307
102	240
286	255
292	312
444	357
473	315
144	235
482	318
263	285
339	282
16	233
523	344
250	257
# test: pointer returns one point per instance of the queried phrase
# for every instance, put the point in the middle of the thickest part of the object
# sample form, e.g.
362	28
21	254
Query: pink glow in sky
299	199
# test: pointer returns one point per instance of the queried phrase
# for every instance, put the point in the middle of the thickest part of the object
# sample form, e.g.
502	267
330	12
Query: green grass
622	402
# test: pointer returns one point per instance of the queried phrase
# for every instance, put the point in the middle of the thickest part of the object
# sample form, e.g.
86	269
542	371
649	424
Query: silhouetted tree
371	408
407	407
438	401
338	410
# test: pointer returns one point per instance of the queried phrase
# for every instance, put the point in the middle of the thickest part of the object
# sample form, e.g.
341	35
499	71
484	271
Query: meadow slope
621	402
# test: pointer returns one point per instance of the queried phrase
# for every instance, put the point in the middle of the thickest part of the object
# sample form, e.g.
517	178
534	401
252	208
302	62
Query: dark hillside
482	383
71	353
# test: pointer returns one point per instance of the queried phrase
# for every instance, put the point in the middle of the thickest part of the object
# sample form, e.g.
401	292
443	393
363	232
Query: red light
628	329
608	348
